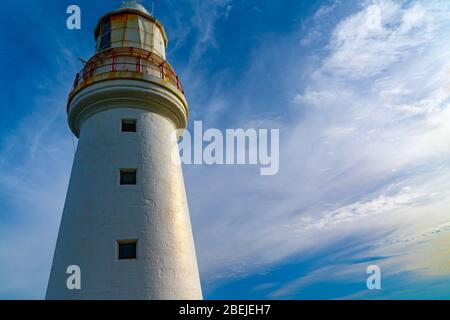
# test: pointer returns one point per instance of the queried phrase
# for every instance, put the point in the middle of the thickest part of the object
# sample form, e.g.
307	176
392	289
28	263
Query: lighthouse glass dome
131	26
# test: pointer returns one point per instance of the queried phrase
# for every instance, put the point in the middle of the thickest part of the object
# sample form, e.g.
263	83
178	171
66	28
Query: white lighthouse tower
126	222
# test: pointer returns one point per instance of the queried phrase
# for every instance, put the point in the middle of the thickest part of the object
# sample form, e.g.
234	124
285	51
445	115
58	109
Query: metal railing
98	65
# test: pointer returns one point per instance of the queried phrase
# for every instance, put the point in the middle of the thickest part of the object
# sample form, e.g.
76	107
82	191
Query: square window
127	249
128	176
128	125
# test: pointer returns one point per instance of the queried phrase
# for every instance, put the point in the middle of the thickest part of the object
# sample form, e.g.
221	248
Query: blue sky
360	92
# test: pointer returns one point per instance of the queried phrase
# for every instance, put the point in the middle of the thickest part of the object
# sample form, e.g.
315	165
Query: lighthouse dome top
134	5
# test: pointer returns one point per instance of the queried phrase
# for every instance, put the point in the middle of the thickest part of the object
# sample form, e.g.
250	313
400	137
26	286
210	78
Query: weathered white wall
98	212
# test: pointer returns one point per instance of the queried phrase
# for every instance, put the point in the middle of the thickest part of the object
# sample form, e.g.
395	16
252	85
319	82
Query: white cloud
377	37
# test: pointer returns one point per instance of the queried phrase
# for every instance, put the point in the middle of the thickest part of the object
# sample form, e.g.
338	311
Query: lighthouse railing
131	60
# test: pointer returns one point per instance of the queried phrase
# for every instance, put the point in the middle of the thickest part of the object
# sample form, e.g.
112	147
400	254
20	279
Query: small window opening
127	249
128	125
128	176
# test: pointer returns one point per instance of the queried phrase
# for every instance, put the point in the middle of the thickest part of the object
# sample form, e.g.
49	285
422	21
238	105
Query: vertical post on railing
113	67
162	71
138	64
178	83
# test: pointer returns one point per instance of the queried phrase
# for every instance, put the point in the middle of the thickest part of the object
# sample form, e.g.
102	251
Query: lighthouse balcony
126	63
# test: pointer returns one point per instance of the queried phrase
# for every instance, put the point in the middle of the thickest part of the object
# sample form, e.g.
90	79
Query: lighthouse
125	231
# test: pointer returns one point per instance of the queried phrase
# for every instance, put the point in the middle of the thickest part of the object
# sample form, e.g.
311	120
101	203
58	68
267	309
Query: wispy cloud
201	26
35	160
365	155
383	33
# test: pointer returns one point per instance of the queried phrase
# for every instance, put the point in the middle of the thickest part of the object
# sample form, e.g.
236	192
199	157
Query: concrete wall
98	212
